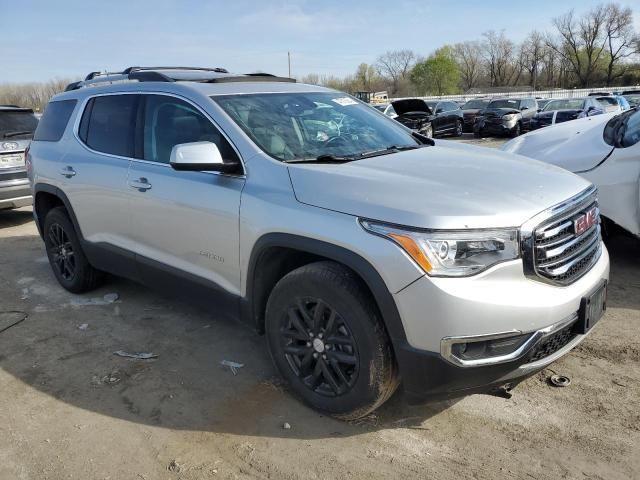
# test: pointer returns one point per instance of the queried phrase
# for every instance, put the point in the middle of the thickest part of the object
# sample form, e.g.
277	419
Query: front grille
551	344
560	254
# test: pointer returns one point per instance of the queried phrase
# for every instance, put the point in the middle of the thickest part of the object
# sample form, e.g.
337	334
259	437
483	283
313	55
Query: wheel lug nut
315	355
320	335
324	356
308	344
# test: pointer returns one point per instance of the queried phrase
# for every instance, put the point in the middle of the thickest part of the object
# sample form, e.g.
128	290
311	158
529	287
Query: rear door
185	223
94	169
452	110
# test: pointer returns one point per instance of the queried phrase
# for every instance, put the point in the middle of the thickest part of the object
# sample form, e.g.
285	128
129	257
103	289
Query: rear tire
327	340
68	262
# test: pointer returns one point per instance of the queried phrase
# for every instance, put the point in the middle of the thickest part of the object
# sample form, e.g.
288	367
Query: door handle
68	172
141	184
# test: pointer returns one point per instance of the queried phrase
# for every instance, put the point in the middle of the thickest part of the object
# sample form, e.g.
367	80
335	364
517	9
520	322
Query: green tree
439	74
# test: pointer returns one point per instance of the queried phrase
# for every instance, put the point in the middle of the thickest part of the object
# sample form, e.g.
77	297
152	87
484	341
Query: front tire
68	262
517	130
458	131
327	340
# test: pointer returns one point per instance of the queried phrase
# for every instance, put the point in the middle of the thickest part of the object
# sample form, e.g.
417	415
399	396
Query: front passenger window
169	121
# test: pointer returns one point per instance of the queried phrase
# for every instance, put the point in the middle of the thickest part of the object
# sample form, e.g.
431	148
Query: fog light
472	351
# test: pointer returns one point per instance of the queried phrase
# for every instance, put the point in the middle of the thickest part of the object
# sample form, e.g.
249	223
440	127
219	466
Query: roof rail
173	74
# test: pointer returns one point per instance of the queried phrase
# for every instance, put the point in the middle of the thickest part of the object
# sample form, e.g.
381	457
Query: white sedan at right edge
604	149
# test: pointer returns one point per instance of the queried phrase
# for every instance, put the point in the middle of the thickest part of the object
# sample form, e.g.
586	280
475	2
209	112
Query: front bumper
15	194
499	300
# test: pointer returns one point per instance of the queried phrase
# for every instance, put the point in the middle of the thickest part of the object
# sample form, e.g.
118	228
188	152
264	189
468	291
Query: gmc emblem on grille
586	221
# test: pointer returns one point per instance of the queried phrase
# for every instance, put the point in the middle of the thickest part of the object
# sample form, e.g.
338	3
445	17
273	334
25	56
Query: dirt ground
70	408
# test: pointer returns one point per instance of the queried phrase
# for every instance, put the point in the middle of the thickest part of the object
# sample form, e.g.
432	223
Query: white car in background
604	149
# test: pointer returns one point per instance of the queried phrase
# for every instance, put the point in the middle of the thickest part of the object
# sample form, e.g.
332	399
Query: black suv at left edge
429	118
506	116
16	129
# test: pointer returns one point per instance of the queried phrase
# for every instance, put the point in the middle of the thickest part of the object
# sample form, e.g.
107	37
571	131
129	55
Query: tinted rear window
54	121
108	124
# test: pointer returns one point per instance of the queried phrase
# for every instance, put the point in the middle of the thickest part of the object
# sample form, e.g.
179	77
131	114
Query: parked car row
502	116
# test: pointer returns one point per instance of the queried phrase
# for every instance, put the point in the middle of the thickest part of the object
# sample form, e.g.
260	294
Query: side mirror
524	108
199	157
539	110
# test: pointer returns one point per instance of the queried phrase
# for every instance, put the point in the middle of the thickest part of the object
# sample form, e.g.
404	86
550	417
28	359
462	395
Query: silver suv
16	129
368	254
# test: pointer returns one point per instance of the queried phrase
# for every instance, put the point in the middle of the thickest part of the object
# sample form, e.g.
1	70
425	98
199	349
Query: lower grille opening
554	342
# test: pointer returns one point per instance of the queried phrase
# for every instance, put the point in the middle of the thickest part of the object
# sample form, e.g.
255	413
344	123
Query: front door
184	222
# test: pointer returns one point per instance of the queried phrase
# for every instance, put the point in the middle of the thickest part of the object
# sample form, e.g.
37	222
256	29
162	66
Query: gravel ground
73	409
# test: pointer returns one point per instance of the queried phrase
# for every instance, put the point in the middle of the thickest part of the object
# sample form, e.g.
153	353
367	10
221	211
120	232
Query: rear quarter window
54	121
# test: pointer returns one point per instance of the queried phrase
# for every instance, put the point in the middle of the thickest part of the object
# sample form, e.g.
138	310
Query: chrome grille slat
552	250
572	261
554	231
550	253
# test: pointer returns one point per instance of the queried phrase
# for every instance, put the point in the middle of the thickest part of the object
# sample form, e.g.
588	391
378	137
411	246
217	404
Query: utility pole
289	62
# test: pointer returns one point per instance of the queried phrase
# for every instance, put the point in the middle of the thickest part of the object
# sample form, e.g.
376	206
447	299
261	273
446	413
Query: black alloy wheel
61	252
319	347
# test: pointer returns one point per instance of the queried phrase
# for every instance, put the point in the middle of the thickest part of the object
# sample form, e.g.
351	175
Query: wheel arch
46	197
276	254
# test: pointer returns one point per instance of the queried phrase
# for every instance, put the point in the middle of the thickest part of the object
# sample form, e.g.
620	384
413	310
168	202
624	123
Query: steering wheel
338	140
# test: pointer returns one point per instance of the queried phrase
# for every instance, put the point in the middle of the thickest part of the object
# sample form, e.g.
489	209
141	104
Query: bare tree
32	95
499	53
533	52
311	79
621	39
396	65
581	42
468	55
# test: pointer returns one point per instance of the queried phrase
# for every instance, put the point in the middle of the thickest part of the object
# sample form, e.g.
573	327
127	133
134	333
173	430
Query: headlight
509	116
451	253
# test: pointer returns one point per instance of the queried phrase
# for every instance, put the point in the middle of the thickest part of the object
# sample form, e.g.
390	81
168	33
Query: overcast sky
40	40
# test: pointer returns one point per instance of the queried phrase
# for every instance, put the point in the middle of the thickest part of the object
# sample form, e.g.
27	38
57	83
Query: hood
449	186
410	105
577	145
471	111
500	111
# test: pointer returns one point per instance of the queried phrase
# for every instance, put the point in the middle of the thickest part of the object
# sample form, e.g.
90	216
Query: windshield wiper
15	134
325	159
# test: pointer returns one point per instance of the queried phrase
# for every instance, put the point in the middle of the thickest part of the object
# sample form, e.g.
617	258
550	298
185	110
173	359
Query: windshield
305	126
475	104
16	124
623	130
564	104
505	104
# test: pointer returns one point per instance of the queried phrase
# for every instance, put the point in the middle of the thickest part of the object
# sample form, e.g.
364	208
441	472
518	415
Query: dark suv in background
16	129
510	116
470	111
429	118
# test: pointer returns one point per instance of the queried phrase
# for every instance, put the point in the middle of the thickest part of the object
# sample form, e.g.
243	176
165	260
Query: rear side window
54	121
108	124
